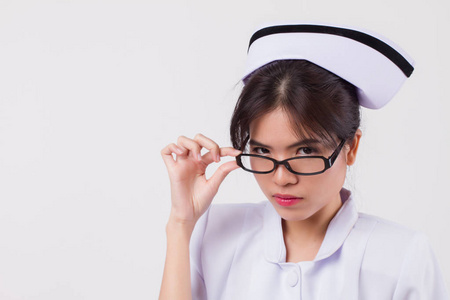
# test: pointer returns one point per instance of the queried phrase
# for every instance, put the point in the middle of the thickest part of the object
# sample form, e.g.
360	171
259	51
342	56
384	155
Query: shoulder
387	239
389	245
385	229
221	231
227	222
224	214
401	259
228	219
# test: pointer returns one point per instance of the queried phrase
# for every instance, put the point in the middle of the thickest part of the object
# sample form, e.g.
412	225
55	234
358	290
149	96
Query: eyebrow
305	142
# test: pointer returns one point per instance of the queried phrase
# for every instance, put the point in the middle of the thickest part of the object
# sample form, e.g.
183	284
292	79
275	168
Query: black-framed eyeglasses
302	165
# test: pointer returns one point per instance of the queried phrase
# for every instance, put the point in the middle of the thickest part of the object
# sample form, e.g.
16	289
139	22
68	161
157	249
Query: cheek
335	176
328	183
263	181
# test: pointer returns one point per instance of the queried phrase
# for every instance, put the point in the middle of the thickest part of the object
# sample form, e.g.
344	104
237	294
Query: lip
287	200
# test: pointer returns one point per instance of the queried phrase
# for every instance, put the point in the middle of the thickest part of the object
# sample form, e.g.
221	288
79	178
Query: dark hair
318	102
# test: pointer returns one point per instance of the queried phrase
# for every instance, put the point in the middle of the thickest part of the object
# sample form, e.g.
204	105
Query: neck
306	236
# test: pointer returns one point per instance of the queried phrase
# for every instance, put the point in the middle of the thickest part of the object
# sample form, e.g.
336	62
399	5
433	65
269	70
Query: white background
90	91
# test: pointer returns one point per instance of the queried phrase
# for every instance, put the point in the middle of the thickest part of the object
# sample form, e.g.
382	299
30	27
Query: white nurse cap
376	66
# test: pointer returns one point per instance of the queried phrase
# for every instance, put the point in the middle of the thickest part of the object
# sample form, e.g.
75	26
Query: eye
260	150
306	151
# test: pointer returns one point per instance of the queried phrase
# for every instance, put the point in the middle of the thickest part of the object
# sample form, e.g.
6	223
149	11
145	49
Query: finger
225	151
167	152
222	172
210	145
192	146
229	151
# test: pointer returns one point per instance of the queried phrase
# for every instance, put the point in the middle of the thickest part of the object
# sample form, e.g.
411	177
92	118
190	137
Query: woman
296	127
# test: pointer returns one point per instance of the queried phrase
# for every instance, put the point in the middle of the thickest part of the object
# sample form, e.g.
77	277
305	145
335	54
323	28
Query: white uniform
238	252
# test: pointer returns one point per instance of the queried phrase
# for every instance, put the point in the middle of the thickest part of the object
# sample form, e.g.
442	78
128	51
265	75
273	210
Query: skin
192	193
305	223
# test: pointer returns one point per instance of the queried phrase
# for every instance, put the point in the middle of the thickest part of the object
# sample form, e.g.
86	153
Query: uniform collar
337	231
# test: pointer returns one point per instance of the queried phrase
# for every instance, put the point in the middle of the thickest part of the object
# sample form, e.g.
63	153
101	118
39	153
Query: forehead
276	121
275	127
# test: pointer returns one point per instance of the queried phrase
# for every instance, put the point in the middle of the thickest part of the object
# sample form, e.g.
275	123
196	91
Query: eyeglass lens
301	165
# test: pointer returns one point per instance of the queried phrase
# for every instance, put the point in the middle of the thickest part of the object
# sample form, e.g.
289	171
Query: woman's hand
191	192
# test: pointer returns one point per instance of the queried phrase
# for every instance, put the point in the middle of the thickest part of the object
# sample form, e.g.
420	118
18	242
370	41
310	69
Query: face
296	197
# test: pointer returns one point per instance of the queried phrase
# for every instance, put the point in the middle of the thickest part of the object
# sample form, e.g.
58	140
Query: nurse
296	128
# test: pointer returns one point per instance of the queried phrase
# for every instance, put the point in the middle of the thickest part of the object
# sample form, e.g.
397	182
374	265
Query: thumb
222	172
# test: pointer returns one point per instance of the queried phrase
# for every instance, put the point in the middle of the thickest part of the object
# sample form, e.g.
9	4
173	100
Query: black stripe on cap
358	36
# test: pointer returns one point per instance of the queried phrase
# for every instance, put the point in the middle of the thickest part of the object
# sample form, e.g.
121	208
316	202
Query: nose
283	176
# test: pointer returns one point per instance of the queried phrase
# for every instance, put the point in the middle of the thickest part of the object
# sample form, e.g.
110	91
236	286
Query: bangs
307	129
319	104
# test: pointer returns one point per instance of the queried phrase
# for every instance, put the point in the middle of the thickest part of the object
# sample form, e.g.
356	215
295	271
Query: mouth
287	200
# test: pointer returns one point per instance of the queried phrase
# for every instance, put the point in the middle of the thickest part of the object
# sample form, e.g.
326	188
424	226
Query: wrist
180	225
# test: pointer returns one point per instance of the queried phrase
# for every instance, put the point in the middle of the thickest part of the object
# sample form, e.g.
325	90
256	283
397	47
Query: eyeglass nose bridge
285	163
328	162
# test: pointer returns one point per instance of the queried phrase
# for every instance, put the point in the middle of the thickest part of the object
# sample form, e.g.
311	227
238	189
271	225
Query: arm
191	195
176	283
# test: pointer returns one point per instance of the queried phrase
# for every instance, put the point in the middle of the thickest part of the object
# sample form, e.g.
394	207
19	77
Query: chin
288	214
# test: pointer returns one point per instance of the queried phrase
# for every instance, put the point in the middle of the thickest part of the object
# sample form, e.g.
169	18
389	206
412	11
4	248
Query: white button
292	278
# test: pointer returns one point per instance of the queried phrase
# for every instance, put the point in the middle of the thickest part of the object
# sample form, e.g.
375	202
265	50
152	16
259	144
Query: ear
351	154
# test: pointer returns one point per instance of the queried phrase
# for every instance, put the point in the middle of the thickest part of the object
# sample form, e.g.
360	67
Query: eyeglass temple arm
335	154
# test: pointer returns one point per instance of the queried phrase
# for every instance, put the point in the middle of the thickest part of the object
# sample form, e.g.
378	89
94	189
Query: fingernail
217	158
199	157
